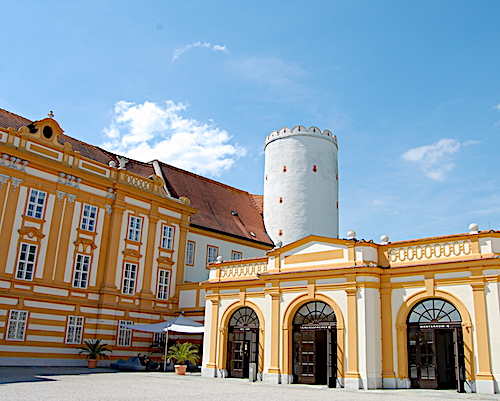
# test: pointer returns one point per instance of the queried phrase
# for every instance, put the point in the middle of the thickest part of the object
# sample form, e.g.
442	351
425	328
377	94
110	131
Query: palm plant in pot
94	349
180	353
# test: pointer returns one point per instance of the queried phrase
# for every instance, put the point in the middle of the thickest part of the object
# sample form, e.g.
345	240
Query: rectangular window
167	237
17	325
129	278
163	283
159	340
124	334
74	330
235	255
81	274
36	203
190	253
89	216
134	228
26	261
212	253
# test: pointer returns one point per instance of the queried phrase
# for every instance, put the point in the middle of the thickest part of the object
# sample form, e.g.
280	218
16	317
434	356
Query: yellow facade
90	240
86	245
372	291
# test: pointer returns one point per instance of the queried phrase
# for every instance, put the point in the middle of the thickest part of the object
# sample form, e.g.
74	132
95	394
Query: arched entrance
315	344
435	345
243	342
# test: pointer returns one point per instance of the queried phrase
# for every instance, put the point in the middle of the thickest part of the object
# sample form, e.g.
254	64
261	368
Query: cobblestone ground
38	383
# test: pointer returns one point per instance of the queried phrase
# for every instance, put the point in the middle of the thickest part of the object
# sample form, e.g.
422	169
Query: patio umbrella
180	324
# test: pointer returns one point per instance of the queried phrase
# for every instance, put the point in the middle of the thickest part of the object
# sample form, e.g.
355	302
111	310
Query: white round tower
301	184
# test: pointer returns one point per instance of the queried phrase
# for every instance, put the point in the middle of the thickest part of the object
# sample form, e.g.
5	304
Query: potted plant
94	349
180	353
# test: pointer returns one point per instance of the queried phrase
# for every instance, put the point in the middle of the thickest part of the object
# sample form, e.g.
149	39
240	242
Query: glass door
307	357
331	336
240	355
427	364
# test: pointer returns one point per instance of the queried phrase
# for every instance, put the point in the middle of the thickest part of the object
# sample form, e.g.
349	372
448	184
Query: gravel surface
45	383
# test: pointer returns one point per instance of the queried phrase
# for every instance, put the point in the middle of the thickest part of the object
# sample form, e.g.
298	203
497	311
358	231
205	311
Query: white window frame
36	203
163	283
134	228
81	270
74	329
212	253
236	255
124	335
190	252
159	338
26	261
129	278
16	327
89	218
167	236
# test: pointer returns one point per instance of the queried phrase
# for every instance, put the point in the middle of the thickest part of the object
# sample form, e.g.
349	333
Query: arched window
315	312
434	310
244	317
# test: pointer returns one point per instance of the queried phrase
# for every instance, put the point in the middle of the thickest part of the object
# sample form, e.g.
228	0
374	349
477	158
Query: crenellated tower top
301	184
300	130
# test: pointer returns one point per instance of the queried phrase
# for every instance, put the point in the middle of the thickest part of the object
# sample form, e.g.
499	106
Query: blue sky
411	89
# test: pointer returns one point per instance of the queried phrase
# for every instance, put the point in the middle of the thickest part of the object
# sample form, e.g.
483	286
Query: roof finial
51	114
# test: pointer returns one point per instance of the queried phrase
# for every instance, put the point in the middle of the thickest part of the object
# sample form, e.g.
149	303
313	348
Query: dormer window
47	130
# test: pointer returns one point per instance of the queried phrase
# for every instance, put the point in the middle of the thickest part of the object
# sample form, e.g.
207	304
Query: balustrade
430	251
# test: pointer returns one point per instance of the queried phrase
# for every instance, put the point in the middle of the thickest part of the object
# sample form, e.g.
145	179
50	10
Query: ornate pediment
132	253
31	233
165	260
47	130
82	244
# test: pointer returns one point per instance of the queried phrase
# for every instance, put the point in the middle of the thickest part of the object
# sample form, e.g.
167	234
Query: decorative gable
314	252
46	130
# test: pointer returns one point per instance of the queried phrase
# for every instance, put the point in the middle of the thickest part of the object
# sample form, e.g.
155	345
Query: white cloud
436	160
221	49
497	107
149	131
181	50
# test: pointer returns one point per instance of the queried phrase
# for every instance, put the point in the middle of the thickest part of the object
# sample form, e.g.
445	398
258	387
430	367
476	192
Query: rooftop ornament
473	228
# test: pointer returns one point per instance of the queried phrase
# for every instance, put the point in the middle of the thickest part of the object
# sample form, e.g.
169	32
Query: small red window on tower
284	169
315	168
281	199
280	233
266	177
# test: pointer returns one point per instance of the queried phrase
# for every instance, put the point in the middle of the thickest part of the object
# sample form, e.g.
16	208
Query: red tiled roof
221	208
140	168
89	151
8	119
103	156
259	202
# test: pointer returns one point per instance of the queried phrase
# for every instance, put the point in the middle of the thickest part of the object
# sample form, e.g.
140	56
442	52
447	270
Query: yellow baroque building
349	313
91	240
345	312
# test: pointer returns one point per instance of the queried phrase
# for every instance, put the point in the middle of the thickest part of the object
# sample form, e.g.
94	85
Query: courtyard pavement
47	383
